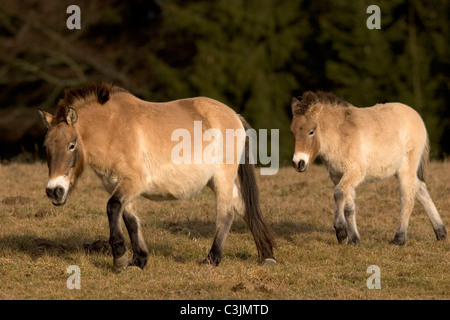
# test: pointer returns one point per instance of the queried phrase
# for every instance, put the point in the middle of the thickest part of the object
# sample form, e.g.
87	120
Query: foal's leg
423	197
344	207
350	217
407	181
140	252
224	219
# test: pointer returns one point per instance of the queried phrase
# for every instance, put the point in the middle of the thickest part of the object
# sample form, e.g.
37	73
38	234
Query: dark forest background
253	55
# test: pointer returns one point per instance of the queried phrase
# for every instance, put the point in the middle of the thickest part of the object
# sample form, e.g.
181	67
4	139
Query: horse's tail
421	170
261	232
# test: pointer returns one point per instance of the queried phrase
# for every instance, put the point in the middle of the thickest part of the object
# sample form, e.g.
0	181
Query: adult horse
364	144
128	142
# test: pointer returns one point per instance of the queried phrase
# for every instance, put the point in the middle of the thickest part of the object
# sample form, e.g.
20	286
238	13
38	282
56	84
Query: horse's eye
72	146
311	132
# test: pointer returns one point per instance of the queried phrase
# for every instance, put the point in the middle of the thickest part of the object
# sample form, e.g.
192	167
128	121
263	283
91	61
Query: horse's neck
328	122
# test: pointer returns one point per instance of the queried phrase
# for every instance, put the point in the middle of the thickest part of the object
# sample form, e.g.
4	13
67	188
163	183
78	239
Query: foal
364	144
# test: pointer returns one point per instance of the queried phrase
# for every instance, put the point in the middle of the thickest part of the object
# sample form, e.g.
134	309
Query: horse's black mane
310	98
93	91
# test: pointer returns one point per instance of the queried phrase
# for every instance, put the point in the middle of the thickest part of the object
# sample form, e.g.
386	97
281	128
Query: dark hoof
139	260
211	260
399	239
441	233
341	234
354	240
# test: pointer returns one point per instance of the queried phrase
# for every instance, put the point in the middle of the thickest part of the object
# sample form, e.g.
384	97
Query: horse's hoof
268	262
399	239
139	261
441	233
212	260
120	263
341	234
353	241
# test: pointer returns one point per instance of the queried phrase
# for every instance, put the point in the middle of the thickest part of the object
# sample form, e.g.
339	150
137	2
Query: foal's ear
295	105
46	117
72	116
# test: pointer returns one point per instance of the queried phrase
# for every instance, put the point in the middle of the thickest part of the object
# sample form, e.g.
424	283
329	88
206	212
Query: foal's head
304	126
64	154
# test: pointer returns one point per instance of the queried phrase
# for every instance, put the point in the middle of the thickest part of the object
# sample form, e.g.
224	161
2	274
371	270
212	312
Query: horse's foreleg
344	214
124	194
350	217
340	224
140	252
114	210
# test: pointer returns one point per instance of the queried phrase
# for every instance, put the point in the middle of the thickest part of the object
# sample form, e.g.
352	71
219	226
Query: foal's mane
310	98
77	97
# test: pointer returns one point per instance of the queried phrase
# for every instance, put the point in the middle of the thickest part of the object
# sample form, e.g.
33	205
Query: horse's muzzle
57	195
299	166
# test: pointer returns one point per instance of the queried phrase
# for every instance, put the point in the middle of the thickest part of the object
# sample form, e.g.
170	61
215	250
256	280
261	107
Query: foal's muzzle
300	166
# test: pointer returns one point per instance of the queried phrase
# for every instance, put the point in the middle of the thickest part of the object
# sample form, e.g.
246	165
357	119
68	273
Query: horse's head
64	154
304	130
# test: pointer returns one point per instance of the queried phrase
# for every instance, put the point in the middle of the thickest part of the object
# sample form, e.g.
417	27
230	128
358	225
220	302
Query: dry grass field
39	241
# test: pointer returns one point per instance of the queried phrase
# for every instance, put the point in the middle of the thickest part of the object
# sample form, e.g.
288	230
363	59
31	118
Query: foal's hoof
268	262
341	235
354	241
441	233
399	239
120	263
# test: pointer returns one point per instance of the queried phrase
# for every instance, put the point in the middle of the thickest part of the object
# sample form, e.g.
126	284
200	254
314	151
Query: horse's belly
176	183
382	168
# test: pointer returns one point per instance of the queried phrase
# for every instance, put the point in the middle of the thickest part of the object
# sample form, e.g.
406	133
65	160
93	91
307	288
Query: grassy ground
38	242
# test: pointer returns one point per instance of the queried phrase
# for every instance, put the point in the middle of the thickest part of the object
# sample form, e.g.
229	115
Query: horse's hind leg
224	219
407	194
423	197
140	252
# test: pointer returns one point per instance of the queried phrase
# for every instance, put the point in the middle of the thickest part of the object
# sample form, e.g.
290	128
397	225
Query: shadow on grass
195	228
37	247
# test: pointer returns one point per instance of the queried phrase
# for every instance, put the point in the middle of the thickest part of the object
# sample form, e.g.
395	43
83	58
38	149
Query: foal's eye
311	132
72	146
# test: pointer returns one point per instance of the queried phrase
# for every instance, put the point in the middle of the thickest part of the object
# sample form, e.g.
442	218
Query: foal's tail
424	161
261	233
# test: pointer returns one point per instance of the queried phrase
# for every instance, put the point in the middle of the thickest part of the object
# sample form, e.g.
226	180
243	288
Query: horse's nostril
59	192
294	164
301	164
49	192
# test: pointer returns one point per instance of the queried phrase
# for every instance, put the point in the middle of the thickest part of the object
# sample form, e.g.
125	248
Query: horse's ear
295	105
46	117
71	117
